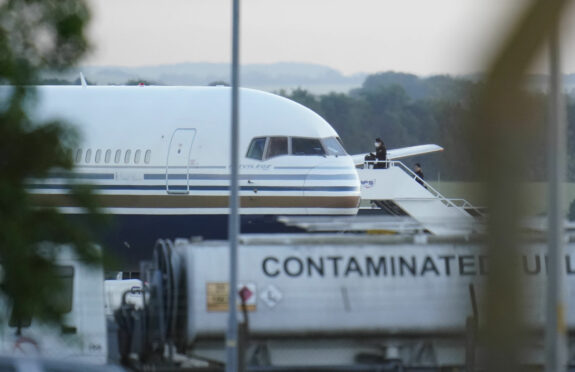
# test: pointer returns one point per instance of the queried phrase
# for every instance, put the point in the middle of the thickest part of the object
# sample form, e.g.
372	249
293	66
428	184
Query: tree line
406	110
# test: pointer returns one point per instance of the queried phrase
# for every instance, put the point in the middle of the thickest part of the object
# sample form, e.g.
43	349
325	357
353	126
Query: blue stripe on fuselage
257	177
206	177
195	188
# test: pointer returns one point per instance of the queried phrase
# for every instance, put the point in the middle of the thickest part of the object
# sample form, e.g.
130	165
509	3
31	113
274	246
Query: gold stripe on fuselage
195	201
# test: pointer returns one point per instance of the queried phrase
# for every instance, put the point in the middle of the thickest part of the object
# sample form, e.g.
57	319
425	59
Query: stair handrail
436	194
464	203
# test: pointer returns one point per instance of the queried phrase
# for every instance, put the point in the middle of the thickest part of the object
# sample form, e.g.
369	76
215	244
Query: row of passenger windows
262	148
101	156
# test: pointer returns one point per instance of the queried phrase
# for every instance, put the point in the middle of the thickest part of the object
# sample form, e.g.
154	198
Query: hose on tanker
165	284
178	320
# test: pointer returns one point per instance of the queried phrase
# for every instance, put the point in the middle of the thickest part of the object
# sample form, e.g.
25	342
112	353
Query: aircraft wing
405	152
402	152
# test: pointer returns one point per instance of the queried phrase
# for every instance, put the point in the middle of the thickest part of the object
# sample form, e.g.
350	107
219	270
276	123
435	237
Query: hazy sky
417	36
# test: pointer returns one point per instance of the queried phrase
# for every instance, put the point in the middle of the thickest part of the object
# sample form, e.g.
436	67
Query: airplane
158	160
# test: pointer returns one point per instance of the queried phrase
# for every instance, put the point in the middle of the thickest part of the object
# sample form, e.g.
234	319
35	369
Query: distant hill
449	87
316	79
274	76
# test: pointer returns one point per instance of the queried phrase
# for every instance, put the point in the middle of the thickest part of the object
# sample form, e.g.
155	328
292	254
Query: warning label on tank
217	294
271	296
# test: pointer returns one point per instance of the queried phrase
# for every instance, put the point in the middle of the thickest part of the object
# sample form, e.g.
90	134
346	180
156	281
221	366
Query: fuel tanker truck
321	302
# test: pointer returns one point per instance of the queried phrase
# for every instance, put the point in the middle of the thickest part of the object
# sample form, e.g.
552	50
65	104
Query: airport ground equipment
329	302
83	335
395	191
120	292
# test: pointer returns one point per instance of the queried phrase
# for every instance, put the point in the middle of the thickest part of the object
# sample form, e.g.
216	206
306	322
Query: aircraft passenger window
108	156
277	146
306	146
137	156
127	156
333	146
88	155
78	155
256	149
147	156
98	156
117	156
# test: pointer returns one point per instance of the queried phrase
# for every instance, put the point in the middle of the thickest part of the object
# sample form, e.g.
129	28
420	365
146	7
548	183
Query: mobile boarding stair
393	201
395	190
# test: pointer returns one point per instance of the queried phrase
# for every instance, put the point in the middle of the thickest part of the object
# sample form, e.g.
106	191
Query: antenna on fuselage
83	80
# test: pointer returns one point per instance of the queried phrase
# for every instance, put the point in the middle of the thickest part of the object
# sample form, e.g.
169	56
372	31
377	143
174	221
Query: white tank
317	286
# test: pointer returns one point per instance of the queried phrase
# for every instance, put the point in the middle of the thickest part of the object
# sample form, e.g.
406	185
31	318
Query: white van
82	337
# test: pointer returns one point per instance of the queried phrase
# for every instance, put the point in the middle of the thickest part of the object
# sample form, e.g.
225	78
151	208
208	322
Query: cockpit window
333	146
306	146
256	149
263	148
277	146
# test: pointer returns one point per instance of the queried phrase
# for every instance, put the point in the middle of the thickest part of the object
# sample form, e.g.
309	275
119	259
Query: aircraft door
178	164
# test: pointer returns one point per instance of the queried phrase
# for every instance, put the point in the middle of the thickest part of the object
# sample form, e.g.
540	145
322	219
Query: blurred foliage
507	126
36	35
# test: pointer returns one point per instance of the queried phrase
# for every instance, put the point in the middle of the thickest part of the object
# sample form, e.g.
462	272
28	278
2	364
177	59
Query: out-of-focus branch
504	127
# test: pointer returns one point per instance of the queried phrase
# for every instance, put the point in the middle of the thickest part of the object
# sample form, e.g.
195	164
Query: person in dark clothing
380	154
419	174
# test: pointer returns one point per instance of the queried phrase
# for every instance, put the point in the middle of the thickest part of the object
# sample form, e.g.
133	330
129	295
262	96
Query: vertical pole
555	333
232	332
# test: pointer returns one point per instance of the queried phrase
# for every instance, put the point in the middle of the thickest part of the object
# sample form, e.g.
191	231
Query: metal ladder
462	205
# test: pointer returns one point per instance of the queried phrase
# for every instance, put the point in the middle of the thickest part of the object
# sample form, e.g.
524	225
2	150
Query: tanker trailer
337	300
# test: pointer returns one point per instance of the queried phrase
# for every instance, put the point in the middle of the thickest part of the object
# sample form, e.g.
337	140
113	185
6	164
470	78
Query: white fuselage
164	151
